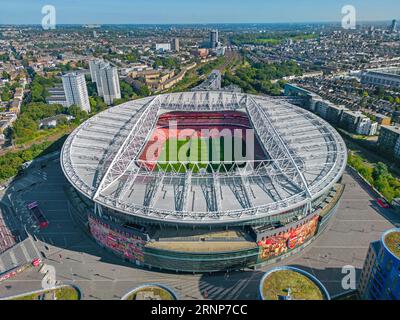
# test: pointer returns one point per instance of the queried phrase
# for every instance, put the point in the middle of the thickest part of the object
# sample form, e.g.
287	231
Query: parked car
382	203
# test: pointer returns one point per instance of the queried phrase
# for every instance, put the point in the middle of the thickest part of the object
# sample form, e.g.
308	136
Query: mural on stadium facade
122	242
285	241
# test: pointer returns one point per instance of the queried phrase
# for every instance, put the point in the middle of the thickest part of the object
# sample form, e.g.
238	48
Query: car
382	203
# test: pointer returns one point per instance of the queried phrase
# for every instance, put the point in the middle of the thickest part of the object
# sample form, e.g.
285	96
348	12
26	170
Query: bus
38	214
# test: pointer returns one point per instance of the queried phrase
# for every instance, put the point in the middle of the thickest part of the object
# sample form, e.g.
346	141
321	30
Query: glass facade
381	272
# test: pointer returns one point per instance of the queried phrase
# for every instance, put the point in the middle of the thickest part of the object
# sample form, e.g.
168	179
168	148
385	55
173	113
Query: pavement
101	275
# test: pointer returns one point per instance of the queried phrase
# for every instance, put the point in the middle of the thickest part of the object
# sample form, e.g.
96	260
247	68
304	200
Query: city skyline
195	12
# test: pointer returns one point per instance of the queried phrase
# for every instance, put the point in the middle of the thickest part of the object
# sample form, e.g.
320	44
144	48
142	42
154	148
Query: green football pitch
196	154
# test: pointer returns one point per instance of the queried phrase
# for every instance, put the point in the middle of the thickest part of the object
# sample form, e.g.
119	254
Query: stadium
205	181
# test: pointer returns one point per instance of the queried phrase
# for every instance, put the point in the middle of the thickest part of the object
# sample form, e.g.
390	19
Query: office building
393	26
380	276
75	90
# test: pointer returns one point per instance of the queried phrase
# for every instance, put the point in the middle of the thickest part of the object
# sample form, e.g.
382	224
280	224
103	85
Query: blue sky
194	11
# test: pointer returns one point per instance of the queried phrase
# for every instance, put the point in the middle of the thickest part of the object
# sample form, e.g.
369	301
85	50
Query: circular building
205	181
379	279
289	283
151	292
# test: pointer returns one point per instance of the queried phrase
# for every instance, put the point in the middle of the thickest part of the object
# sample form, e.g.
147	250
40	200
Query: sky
194	11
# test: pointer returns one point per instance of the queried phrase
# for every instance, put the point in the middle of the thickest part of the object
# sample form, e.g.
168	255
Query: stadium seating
7	239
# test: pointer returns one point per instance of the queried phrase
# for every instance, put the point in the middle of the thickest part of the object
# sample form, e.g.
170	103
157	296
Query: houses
52	122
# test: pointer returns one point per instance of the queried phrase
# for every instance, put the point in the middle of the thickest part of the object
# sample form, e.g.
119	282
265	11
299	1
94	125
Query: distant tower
107	81
76	91
393	27
175	45
214	39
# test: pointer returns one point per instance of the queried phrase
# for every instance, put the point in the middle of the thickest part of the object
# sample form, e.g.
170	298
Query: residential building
334	113
349	120
214	39
389	140
52	122
202	53
110	84
163	47
57	96
75	89
107	80
366	126
383	120
175	45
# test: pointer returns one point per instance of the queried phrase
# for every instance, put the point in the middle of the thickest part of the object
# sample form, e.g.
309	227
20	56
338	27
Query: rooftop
394	129
291	285
202	246
151	292
305	157
392	241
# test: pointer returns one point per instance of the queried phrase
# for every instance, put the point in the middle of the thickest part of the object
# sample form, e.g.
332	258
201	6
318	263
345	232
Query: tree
97	105
126	90
77	113
380	171
5	95
5	75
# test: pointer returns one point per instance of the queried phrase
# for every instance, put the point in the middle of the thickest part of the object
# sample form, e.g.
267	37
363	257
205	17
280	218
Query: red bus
38	214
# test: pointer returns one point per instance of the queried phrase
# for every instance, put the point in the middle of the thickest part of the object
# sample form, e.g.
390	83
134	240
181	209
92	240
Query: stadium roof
305	158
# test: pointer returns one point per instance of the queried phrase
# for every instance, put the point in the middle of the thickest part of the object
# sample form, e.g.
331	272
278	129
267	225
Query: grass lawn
64	293
392	240
195	150
158	291
278	282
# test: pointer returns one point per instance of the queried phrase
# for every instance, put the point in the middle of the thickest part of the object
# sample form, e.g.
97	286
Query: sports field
198	154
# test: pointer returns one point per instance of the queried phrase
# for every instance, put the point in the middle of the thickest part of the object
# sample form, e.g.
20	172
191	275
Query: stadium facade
203	213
